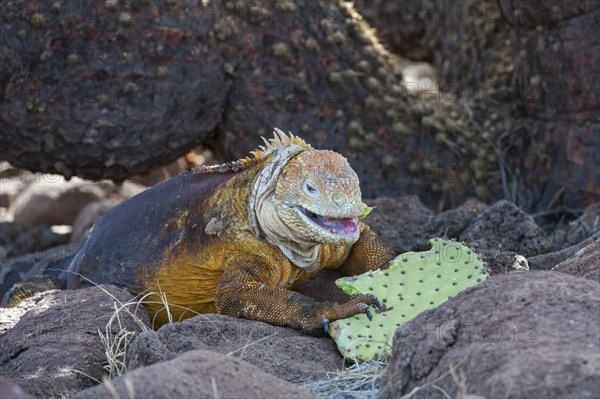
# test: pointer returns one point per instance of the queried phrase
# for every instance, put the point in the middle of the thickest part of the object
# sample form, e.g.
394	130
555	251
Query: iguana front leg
248	289
368	253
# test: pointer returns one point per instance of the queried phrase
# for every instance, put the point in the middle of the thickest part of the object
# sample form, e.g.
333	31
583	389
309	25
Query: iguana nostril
338	198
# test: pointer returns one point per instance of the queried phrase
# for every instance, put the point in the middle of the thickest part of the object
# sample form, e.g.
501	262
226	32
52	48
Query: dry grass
116	343
358	381
363	381
116	337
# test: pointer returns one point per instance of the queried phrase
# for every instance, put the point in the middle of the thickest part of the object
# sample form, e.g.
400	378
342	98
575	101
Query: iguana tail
29	287
26	276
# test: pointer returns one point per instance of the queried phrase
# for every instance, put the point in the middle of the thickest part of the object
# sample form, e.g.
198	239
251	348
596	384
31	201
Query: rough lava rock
585	263
548	260
397	220
283	352
407	224
504	227
198	374
37	303
50	348
579	229
10	390
524	334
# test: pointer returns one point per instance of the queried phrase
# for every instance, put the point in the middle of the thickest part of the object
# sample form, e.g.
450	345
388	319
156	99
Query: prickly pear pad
414	282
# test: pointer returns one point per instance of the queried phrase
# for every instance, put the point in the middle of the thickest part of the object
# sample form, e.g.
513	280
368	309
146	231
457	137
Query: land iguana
236	238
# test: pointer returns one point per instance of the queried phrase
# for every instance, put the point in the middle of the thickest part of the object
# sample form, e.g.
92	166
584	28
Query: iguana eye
310	188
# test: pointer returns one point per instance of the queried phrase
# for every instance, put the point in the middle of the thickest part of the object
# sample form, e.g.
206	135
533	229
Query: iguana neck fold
264	216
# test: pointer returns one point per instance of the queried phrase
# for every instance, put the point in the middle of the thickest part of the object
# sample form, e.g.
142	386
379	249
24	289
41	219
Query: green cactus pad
414	282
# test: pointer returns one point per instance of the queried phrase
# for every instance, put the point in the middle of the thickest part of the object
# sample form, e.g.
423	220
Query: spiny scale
279	140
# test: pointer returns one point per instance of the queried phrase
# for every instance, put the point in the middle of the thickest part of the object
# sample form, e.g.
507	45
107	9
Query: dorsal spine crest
280	140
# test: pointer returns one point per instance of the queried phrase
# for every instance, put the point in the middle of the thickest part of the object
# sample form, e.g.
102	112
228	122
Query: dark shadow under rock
524	334
198	374
322	287
283	352
584	263
504	227
51	348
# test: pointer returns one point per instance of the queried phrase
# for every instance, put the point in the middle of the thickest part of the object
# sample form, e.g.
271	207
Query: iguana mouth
340	226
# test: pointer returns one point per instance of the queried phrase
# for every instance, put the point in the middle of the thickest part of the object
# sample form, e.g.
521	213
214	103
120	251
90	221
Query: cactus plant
414	282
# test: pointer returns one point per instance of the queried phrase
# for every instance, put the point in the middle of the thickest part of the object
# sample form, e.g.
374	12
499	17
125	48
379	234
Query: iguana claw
377	303
325	325
368	313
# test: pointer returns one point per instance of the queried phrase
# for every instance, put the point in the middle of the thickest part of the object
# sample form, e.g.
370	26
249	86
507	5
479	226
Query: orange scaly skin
218	239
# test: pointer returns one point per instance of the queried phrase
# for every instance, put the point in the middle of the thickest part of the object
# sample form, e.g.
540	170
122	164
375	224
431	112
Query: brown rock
524	334
507	71
198	374
19	239
8	171
282	352
37	303
511	54
585	263
112	122
10	189
549	260
88	216
407	224
397	220
504	227
588	223
51	348
162	173
579	229
450	223
54	201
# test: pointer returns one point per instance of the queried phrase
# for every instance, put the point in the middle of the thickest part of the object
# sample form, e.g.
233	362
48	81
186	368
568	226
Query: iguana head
319	197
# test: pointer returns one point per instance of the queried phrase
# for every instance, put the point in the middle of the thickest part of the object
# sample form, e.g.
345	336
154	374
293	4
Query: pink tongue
348	225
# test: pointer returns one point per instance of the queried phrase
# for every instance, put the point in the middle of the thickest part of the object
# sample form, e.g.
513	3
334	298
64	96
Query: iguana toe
325	325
